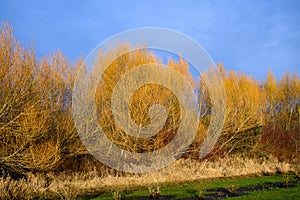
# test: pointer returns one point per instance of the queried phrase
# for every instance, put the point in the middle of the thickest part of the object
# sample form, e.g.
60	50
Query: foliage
37	132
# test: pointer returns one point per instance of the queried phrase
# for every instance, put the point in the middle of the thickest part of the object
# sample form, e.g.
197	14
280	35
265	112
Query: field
183	179
284	186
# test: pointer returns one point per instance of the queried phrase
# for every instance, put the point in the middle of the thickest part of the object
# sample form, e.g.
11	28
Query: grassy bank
253	187
90	184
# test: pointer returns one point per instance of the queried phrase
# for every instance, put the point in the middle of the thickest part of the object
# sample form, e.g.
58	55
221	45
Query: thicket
37	131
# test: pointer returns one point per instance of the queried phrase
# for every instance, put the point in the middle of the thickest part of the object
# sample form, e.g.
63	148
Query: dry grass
70	186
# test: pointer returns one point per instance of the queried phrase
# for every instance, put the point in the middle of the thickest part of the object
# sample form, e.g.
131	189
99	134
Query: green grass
191	190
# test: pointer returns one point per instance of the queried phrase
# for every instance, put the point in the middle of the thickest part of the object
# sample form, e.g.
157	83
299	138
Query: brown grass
65	186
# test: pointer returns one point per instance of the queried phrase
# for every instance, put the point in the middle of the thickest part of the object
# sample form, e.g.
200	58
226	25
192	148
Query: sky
251	36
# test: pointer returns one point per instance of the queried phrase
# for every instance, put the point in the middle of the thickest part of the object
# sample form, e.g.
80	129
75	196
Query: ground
278	186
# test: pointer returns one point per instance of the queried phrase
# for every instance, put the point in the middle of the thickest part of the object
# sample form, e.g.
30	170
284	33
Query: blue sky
251	36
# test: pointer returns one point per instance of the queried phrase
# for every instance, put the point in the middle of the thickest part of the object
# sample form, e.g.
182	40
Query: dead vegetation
72	185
